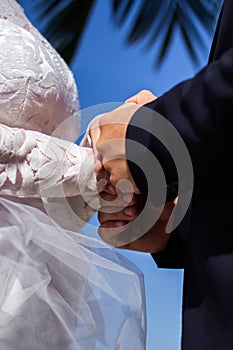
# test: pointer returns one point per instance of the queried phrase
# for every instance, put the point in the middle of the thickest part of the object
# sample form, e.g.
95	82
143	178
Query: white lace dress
59	288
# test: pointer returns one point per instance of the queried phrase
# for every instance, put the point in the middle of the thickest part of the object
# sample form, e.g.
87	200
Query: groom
201	111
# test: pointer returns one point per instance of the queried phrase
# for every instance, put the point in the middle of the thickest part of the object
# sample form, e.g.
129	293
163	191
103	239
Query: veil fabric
65	291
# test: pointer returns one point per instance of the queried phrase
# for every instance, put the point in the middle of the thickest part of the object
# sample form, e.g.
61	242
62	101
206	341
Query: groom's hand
115	229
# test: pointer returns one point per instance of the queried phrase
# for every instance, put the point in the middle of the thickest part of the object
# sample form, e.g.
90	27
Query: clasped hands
122	215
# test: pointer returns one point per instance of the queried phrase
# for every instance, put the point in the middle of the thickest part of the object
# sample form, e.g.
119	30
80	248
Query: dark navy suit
201	109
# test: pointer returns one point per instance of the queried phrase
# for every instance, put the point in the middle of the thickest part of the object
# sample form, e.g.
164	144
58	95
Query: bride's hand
142	97
108	139
93	132
106	134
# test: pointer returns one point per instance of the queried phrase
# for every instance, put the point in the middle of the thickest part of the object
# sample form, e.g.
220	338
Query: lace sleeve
34	164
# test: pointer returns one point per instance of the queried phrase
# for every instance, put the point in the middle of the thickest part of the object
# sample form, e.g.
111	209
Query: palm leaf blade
153	20
64	23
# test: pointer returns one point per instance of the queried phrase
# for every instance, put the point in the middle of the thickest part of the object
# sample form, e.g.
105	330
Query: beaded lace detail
34	164
12	11
37	88
37	95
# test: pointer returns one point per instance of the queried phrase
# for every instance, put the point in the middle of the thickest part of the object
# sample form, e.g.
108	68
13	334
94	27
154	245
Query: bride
59	288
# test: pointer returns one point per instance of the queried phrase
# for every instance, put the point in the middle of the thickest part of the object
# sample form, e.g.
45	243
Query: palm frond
157	19
150	21
121	12
63	23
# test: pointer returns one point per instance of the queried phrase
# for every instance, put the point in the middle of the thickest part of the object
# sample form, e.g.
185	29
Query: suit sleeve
201	110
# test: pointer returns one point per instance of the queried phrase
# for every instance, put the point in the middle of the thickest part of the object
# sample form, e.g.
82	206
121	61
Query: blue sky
107	70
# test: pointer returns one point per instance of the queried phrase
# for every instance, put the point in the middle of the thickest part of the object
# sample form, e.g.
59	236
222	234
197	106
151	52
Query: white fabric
62	290
59	289
32	163
37	89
